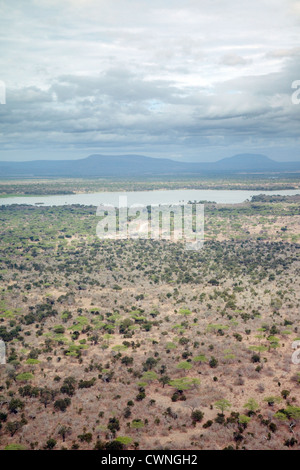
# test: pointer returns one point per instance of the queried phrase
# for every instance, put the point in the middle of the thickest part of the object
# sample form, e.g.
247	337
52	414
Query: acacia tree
291	414
164	380
223	405
251	405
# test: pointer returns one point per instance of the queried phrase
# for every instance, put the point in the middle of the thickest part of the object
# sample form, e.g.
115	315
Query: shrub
197	416
137	424
208	424
255	358
25	376
50	444
213	362
15	405
184	365
124	440
113	425
68	386
62	404
15	447
140	396
86	437
87	383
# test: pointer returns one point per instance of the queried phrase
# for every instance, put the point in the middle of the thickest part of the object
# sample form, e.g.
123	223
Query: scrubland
141	344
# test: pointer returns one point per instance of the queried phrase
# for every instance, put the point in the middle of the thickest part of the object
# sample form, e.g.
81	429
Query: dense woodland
141	344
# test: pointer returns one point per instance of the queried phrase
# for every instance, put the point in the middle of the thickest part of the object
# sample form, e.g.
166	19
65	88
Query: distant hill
139	165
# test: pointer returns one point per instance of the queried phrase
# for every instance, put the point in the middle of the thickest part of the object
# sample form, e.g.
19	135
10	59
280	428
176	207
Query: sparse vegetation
142	344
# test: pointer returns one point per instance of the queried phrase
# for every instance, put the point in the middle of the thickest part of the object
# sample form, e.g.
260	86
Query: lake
219	196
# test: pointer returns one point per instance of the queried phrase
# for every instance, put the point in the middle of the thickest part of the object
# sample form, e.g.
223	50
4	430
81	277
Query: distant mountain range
138	165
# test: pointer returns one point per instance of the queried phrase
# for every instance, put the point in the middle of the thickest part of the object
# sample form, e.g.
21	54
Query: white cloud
233	60
134	73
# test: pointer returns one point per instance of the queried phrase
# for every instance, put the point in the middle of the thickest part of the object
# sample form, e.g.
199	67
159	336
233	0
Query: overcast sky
189	80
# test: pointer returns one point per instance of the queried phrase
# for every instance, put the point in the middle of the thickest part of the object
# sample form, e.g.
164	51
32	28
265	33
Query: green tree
13	426
223	405
272	400
68	386
113	425
285	394
164	380
64	431
149	364
197	416
213	362
251	405
50	444
149	376
62	404
185	312
184	365
124	440
15	405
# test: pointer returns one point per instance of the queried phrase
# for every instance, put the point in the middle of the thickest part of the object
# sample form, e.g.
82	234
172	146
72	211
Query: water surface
176	196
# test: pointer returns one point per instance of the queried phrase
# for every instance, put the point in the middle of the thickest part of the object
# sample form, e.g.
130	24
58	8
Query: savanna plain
141	344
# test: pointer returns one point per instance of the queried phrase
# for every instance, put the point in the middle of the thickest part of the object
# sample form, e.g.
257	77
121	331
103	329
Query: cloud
233	60
156	78
284	53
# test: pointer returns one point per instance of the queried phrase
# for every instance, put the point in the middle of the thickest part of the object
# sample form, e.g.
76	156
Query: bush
86	383
255	358
113	425
208	424
213	362
114	445
50	444
3	417
15	405
140	396
178	396
86	437
220	419
68	386
15	447
197	416
24	377
290	442
62	404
